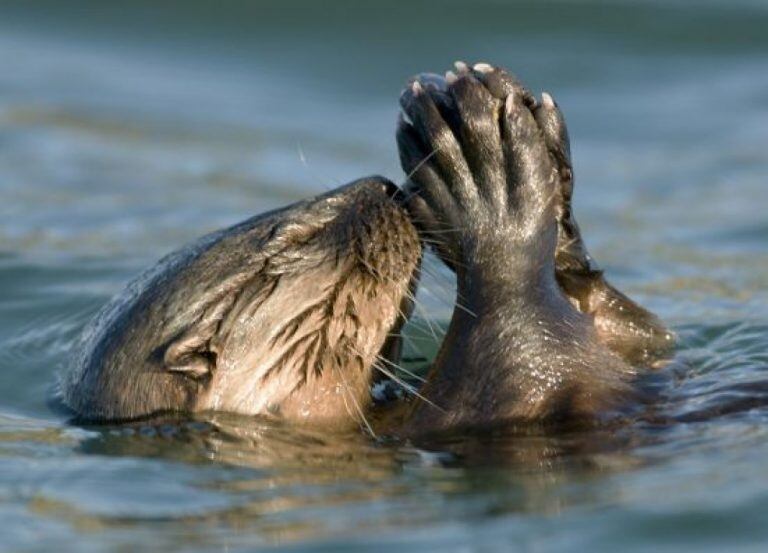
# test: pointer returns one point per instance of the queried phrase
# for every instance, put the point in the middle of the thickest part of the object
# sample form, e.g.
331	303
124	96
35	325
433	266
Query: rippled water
125	132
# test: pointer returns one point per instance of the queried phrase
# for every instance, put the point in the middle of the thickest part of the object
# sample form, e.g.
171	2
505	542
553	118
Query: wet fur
541	335
283	314
290	312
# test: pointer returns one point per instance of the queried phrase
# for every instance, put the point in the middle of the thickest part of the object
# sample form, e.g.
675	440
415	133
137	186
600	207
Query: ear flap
190	352
190	355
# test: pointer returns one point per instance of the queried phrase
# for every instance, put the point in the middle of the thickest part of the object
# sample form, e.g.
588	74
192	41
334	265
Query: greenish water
128	131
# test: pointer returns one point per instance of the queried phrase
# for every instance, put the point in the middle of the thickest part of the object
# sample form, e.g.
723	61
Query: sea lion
289	313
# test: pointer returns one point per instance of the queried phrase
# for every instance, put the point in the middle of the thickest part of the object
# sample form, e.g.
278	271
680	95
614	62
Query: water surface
128	131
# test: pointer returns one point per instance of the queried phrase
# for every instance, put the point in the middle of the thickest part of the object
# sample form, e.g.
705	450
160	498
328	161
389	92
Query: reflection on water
127	130
247	481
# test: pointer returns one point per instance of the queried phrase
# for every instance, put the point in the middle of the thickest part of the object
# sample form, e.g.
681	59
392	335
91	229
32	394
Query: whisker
424	314
408	177
434	271
437	243
421	164
425	318
442	281
411	338
397	380
320	179
433	241
423	329
408	387
446	230
412	343
354	402
456	302
400	368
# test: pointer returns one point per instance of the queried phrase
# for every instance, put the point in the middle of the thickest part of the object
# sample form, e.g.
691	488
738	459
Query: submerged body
289	313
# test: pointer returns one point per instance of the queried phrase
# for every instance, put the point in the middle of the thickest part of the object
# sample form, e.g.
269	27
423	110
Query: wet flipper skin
626	327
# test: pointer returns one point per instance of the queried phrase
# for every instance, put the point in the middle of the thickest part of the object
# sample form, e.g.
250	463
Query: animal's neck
503	356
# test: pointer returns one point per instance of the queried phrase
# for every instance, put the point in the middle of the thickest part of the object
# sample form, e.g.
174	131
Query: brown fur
289	313
282	314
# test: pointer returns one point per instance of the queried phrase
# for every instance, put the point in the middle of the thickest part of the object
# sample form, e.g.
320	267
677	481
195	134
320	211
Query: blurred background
128	129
